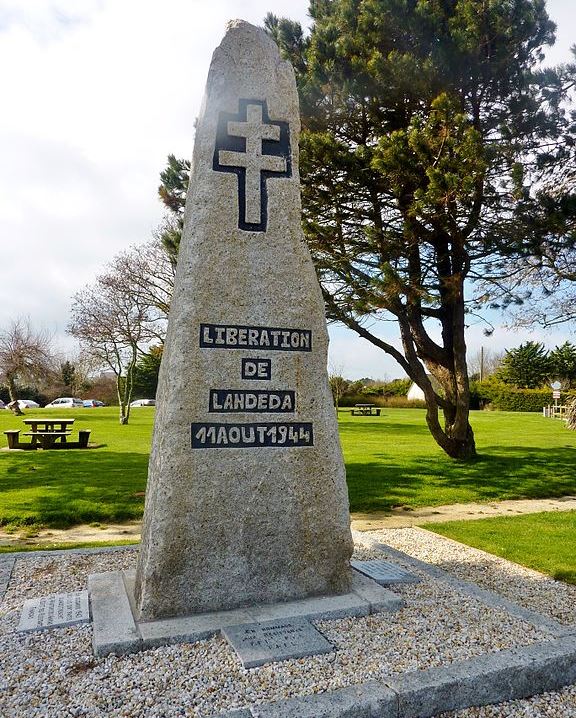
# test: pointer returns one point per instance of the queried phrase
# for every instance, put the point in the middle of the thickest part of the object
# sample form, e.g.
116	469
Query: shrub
501	397
396	402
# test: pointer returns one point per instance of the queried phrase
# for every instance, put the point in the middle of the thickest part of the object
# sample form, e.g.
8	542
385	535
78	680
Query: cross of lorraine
255	148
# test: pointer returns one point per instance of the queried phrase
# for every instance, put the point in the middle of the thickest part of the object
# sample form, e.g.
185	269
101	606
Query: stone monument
246	500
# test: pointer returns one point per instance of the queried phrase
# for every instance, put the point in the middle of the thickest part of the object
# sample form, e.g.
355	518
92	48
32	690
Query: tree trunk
12	388
120	394
458	447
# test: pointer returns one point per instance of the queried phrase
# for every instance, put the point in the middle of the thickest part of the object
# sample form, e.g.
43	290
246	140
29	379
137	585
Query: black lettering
264	401
233	336
273	435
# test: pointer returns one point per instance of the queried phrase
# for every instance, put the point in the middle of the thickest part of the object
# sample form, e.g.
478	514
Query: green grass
63	488
545	541
391	460
23	548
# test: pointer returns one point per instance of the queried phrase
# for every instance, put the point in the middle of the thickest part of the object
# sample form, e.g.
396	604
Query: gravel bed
524	586
52	674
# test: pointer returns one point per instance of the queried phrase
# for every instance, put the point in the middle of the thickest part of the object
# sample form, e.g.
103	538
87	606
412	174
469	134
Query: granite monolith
246	500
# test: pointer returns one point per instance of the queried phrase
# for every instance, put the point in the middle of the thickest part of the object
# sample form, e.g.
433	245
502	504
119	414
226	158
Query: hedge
504	398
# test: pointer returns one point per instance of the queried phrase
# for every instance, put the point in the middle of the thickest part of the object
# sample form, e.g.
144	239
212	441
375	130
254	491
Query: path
397	518
405	517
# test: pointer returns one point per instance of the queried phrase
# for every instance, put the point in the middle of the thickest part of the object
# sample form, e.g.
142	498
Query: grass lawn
391	460
63	488
545	542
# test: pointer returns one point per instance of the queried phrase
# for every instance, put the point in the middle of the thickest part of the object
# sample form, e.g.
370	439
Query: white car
144	402
27	404
65	402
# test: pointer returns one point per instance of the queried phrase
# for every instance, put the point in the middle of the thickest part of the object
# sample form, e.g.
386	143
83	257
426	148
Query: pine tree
526	367
424	126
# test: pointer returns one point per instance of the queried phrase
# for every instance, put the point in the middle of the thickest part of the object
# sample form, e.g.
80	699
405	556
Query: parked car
89	403
27	404
65	402
144	402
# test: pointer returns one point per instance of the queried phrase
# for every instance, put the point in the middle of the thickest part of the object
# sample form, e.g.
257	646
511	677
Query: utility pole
481	363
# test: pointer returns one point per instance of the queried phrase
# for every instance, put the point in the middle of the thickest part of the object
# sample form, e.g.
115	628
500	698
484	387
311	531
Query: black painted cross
255	148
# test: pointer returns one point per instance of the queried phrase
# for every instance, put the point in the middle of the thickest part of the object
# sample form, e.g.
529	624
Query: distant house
415	393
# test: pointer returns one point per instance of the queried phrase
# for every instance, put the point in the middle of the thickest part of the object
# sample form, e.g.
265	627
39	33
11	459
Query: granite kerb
6	568
484	680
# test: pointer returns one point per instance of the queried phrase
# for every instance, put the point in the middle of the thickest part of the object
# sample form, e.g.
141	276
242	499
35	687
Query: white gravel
53	674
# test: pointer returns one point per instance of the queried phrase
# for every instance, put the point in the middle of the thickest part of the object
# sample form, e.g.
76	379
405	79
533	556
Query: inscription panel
251	435
59	609
259	643
235	336
233	401
258	369
384	572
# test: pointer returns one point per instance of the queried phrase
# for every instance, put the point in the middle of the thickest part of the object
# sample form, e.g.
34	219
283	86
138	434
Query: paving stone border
6	567
117	630
484	680
488	597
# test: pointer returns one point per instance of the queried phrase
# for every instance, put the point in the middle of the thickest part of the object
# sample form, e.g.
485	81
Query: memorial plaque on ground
259	643
384	572
59	609
246	500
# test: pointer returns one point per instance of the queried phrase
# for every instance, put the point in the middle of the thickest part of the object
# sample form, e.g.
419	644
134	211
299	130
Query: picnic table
365	410
45	432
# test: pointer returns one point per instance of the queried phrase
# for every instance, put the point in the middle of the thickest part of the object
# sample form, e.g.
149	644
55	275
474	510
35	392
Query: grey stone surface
258	643
246	500
58	609
6	566
379	598
384	572
485	680
488	679
367	700
114	628
117	629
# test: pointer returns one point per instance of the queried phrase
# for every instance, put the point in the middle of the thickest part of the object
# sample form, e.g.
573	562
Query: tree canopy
26	355
426	126
527	366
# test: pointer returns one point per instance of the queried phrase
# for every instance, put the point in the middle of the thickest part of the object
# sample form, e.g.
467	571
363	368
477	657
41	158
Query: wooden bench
366	412
47	438
83	436
13	436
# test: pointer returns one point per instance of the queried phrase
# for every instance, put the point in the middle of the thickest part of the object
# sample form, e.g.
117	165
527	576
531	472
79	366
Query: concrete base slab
117	630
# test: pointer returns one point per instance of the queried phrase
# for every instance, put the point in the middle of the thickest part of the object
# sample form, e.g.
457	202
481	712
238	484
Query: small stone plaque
259	643
59	609
384	572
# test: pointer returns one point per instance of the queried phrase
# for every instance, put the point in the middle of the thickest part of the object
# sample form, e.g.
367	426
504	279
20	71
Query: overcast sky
95	95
